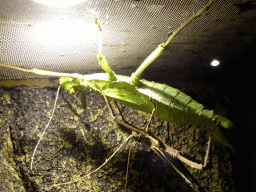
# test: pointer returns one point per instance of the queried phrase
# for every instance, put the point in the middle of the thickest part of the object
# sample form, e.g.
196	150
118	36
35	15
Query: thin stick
45	127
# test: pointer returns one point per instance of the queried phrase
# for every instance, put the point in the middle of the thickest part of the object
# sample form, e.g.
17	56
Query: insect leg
207	152
167	139
128	162
208	147
106	100
75	97
152	114
159	154
101	58
114	118
119	110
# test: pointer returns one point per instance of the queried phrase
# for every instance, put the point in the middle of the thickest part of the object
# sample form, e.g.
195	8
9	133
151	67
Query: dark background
236	93
229	86
237	81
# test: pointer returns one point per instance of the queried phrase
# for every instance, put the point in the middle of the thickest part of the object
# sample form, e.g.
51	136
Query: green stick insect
162	101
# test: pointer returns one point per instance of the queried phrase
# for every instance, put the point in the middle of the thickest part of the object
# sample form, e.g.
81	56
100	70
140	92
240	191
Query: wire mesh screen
63	38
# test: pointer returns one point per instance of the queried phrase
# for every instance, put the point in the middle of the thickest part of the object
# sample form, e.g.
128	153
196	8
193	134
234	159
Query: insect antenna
46	127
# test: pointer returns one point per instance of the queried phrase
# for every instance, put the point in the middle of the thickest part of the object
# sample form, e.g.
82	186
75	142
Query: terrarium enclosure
62	37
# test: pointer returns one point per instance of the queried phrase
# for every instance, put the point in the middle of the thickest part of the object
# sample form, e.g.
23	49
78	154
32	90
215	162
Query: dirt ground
80	140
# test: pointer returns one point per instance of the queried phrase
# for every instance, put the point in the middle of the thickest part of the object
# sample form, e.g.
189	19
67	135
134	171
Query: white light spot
60	3
64	32
215	63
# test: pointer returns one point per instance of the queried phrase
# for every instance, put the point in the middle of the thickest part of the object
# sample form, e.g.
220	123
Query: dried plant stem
31	166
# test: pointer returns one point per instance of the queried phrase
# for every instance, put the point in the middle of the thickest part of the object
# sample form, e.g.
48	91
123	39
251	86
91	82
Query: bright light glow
59	3
215	63
65	32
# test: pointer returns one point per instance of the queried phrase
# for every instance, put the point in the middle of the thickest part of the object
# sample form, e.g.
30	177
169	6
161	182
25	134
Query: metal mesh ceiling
62	39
